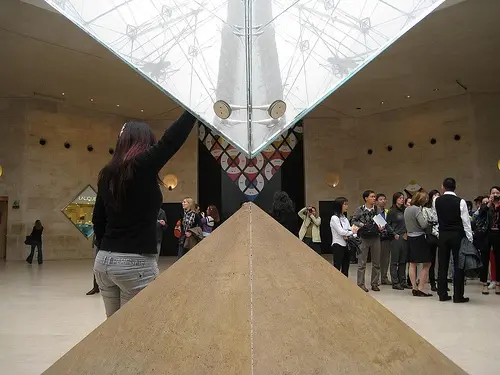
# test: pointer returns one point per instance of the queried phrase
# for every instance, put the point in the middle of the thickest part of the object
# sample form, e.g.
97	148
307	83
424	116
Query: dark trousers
181	251
433	246
482	243
313	245
38	245
494	241
341	258
399	255
449	245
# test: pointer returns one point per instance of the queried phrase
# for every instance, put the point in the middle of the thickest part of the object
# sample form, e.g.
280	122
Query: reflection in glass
246	55
80	211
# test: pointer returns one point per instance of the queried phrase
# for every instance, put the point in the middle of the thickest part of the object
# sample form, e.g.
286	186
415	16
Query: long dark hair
282	202
38	224
432	193
337	206
214	212
395	198
136	138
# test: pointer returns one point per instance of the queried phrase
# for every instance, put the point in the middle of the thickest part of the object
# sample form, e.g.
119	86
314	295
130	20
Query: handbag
354	245
28	240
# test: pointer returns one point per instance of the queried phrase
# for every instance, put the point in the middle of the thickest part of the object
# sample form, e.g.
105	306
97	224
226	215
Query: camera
310	210
496	198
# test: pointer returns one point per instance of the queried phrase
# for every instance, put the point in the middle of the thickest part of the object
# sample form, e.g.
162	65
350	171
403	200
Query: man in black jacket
454	225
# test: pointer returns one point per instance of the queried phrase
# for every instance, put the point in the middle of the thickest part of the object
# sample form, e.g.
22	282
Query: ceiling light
63	94
435	89
142	110
118	105
91	99
358	108
408	96
382	102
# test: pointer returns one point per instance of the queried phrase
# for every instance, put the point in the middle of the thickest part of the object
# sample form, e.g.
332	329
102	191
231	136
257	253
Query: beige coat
316	222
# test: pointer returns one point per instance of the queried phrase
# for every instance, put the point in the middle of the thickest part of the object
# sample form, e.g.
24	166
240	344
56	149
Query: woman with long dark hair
126	209
209	220
341	231
283	211
36	242
399	251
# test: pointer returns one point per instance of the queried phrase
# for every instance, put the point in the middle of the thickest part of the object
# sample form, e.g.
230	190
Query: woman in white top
341	230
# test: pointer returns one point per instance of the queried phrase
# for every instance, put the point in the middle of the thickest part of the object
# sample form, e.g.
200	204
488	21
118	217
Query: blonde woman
418	248
190	220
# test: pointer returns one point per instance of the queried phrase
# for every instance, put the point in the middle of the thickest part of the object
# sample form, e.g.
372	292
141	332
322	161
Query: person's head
369	197
38	224
420	199
433	195
381	200
408	201
449	184
188	204
340	206
469	205
197	208
478	201
398	199
495	195
135	138
282	202
213	212
485	201
313	210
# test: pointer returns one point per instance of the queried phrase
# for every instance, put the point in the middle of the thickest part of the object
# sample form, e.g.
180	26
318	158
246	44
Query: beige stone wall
45	179
341	146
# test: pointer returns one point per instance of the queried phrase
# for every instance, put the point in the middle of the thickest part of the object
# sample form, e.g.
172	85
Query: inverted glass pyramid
249	69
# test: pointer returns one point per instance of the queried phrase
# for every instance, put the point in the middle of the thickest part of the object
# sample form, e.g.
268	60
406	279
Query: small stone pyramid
253	299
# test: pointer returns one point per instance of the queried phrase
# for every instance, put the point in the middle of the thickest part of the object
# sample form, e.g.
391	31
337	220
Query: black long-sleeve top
133	228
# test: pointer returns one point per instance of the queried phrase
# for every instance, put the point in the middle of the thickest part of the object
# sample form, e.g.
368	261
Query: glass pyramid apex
249	69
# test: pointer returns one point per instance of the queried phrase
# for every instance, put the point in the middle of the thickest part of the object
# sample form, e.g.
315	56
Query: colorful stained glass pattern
251	175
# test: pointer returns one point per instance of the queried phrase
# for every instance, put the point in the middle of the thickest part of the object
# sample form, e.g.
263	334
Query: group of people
424	230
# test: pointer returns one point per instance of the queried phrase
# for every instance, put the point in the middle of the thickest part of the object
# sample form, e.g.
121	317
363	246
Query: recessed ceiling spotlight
408	96
118	105
382	102
91	99
358	108
436	89
63	94
142	110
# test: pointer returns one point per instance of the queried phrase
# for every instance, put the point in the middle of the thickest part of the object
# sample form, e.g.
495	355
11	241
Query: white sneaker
492	285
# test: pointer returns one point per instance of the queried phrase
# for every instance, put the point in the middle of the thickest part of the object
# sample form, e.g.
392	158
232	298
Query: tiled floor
44	312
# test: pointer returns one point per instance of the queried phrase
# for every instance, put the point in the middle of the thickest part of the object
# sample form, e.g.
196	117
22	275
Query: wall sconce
332	179
170	181
1	171
498	165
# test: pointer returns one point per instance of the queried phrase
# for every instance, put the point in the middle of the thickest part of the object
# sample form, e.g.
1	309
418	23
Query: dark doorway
170	242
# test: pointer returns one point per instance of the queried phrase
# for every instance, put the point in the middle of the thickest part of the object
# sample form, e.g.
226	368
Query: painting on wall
251	174
79	211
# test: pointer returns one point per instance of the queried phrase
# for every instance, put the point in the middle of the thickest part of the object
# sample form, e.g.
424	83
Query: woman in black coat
283	211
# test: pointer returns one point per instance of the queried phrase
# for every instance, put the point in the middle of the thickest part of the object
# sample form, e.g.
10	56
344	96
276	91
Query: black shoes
375	288
461	300
444	298
92	291
434	288
397	287
419	293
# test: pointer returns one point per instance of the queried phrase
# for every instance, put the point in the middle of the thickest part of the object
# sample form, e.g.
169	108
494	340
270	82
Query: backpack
178	229
480	223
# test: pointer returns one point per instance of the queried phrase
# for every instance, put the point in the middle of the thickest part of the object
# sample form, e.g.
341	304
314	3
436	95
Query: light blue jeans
121	276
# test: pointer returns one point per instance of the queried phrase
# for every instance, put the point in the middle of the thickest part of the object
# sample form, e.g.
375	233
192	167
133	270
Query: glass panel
196	52
80	211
